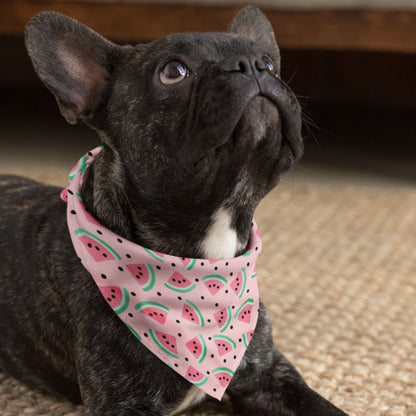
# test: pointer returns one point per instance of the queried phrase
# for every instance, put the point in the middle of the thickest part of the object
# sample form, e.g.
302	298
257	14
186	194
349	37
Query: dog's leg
120	378
267	383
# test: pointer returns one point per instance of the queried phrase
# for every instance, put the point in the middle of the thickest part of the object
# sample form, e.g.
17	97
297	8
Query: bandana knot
196	315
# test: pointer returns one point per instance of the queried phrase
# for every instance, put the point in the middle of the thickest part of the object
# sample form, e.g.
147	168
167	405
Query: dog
196	130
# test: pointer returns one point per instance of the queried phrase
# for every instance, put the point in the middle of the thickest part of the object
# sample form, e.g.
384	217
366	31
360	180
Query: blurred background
352	64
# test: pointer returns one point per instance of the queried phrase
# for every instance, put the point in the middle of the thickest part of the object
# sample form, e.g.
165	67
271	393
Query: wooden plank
127	22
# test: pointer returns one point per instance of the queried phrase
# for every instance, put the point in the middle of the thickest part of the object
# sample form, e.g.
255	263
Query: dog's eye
271	66
173	72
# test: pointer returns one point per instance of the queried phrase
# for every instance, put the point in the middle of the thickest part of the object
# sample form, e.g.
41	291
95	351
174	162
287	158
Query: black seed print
73	212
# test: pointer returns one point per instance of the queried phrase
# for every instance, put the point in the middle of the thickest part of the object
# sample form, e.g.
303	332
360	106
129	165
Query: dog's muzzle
242	78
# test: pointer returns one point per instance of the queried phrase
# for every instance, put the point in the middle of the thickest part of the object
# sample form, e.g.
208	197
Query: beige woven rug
338	274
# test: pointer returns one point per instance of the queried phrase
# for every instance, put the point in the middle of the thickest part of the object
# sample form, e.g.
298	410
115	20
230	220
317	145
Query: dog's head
195	121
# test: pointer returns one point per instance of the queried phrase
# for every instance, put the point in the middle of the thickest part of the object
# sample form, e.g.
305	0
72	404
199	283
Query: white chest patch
194	396
221	240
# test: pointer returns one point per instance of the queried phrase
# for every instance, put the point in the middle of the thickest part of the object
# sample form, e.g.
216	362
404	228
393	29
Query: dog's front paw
278	390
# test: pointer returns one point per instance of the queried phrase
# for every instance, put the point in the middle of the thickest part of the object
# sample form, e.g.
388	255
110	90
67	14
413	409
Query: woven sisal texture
338	274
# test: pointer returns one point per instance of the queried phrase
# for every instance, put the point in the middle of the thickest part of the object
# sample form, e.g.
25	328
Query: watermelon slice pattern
224	344
144	274
214	283
98	249
195	377
238	285
153	310
116	297
196	315
223	318
197	347
192	313
223	375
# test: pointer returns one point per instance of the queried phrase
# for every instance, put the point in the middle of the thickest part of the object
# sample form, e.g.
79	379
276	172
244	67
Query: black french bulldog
196	129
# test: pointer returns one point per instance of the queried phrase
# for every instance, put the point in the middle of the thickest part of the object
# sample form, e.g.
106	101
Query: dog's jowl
134	291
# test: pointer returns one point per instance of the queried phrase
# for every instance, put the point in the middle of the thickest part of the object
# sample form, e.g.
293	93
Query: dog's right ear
73	61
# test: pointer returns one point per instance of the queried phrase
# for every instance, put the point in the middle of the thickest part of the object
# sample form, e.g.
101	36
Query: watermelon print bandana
196	315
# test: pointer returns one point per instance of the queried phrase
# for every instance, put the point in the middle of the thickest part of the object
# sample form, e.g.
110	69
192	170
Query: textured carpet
338	274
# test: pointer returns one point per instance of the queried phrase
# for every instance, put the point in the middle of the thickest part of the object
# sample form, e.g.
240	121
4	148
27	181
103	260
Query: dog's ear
253	24
73	61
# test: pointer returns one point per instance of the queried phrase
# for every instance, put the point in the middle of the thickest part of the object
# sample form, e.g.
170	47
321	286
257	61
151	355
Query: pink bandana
196	315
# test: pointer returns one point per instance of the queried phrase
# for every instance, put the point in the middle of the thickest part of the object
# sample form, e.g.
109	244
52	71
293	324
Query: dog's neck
219	231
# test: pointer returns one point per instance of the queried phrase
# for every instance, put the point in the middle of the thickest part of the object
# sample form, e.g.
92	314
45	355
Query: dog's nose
248	65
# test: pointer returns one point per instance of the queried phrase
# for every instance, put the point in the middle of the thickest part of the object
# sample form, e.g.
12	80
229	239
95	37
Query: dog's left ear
253	24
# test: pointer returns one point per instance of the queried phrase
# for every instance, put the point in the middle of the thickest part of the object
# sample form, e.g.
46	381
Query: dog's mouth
290	115
247	123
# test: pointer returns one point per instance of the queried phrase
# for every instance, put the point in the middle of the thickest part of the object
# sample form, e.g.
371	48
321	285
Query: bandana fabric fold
196	315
